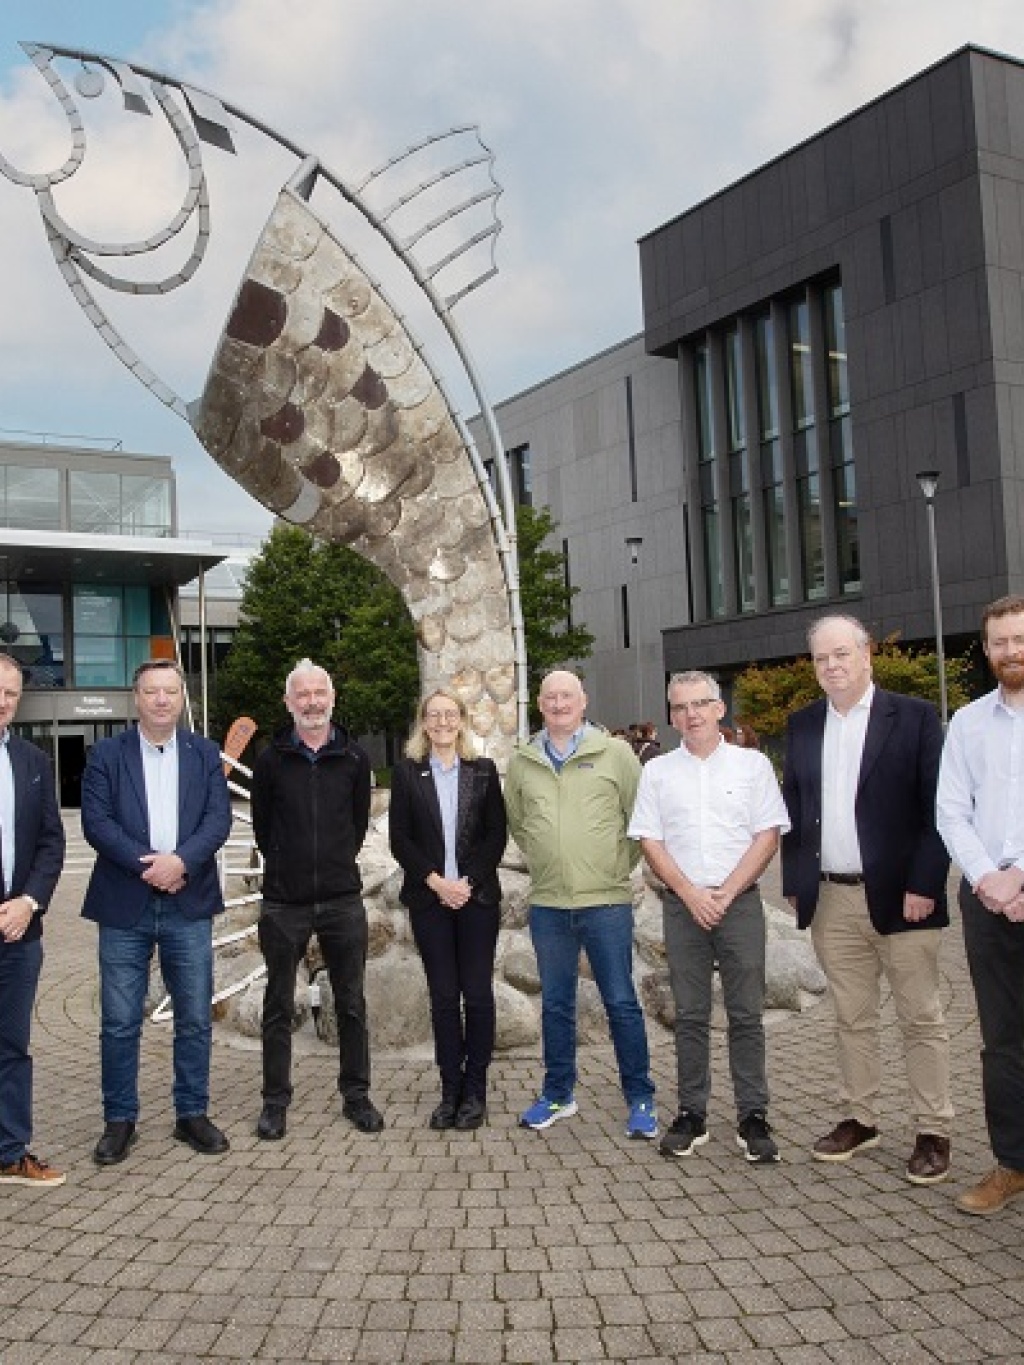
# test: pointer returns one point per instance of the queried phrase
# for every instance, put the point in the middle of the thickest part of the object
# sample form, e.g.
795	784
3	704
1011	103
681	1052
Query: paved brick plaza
505	1245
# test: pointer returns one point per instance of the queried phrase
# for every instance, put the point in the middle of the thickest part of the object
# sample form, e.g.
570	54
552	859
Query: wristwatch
33	903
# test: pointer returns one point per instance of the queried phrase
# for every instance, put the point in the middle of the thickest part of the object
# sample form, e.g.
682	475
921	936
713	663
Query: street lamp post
633	544
928	480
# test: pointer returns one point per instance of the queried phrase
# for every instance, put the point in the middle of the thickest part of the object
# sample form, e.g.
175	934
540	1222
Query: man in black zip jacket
310	813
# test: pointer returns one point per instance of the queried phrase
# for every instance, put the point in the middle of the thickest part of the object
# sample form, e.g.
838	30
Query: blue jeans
185	948
605	932
737	944
20	965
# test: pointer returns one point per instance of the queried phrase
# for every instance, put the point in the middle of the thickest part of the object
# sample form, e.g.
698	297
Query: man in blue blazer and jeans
864	866
155	807
31	857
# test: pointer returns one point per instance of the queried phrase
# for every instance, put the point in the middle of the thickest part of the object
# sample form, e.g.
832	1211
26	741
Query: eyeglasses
701	704
442	717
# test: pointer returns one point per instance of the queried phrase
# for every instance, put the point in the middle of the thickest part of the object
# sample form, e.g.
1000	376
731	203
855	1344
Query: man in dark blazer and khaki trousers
865	868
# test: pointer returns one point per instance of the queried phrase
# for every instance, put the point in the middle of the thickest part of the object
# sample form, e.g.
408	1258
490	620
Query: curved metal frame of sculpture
319	401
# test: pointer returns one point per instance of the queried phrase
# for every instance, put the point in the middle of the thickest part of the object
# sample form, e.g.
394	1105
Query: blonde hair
418	744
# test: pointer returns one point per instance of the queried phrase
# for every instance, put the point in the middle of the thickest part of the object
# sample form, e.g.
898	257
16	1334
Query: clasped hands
15	917
708	904
164	872
453	893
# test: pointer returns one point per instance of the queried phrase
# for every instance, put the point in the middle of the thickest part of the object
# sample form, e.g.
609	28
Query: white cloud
608	117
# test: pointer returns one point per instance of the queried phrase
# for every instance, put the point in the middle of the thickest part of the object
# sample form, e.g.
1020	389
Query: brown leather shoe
844	1141
929	1161
993	1193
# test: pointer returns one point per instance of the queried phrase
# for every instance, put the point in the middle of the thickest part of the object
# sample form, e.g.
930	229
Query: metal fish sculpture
318	400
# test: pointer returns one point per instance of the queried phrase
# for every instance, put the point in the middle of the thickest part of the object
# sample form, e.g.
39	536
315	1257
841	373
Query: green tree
315	599
550	641
767	694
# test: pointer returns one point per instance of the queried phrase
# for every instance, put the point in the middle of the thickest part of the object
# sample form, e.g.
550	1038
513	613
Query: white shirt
980	805
841	757
707	811
160	772
6	815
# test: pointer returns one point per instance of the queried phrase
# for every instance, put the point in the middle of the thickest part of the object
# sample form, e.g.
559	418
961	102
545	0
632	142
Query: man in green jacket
570	793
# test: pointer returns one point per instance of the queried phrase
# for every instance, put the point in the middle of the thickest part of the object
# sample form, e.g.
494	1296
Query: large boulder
519	967
649	931
515	899
397	1003
518	1022
657	999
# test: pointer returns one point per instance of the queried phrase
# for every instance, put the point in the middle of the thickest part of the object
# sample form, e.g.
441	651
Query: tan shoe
31	1170
929	1161
993	1193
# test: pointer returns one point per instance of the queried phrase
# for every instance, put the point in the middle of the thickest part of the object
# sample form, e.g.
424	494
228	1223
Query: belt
844	878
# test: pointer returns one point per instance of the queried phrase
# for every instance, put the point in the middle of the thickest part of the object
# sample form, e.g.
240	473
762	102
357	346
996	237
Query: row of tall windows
107	503
112	631
777	513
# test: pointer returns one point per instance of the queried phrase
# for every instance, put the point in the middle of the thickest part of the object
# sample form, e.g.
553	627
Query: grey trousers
737	944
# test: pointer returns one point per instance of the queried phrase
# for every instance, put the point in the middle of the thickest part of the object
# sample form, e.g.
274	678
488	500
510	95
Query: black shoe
472	1113
271	1124
363	1115
755	1137
113	1146
687	1132
444	1115
201	1135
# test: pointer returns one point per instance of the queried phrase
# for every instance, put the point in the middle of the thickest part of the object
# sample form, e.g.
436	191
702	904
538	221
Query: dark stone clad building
843	318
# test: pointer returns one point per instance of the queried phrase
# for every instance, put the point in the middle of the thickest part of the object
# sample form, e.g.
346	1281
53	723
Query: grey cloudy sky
607	118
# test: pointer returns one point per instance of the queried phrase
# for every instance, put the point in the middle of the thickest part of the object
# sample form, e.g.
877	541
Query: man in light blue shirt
981	818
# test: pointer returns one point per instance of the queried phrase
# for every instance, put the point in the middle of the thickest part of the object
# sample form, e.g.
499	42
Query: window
113	630
737	432
714	600
119	504
800	364
840	438
812	551
773	503
32	631
631	439
30	498
739	471
522	477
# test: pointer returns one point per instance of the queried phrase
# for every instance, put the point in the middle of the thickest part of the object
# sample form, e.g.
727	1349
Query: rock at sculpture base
518	1023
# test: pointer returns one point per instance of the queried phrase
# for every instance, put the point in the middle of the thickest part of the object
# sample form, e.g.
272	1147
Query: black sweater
310	818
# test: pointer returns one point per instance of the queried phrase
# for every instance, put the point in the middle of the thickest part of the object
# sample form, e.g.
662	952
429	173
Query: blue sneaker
642	1121
544	1112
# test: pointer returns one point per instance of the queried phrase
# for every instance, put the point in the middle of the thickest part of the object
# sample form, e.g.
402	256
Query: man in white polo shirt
709	817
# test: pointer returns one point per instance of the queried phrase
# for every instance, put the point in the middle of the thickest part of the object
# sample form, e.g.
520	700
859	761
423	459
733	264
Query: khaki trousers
854	957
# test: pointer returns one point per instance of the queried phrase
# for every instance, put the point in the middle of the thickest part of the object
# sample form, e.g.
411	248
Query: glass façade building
814	336
90	567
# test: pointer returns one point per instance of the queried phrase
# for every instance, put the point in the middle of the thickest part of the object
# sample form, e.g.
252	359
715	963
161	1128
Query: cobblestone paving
506	1245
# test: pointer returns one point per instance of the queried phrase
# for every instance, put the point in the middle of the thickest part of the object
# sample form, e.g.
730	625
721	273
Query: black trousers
284	933
457	948
995	955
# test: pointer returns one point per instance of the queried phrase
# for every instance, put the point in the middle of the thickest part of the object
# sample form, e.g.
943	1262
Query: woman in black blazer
448	833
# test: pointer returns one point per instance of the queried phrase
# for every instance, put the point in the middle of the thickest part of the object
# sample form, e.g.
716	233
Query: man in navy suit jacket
864	866
31	857
155	807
